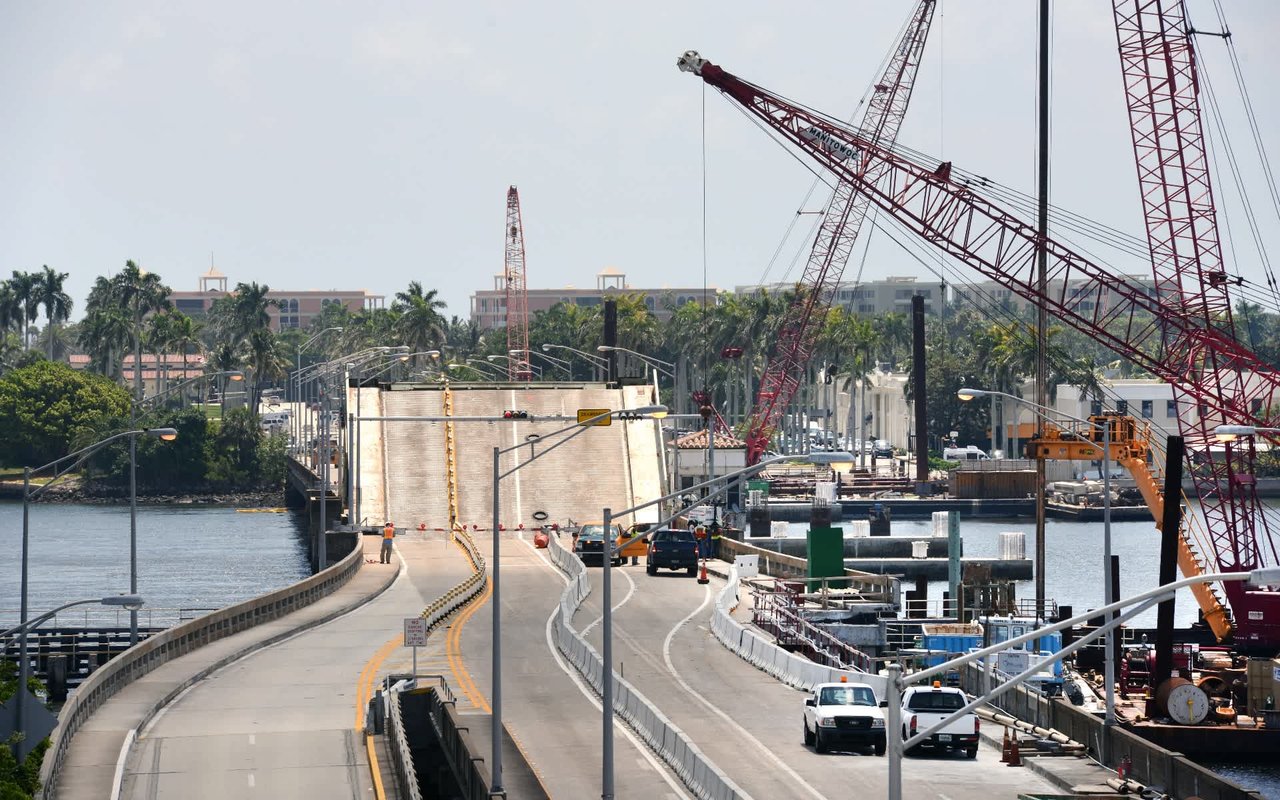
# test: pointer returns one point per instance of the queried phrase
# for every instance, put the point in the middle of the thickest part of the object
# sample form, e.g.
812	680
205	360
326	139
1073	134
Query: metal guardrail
142	658
694	768
398	744
786	666
777	612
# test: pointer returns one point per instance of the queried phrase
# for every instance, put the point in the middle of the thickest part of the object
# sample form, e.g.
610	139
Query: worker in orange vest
388	537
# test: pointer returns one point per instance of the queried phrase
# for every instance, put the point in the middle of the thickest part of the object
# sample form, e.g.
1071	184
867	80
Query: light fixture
656	412
1229	433
236	376
966	395
166	434
132	602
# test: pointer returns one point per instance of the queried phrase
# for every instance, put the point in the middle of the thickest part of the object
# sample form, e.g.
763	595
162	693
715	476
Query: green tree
47	290
419	325
233	452
18	781
49	407
25	301
138	293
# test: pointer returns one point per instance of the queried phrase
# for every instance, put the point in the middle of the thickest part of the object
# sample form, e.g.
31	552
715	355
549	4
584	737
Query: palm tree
267	361
23	286
139	293
47	290
10	307
184	334
104	333
420	324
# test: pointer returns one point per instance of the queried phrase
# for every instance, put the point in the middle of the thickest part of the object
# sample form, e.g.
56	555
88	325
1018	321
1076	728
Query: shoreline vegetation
94	493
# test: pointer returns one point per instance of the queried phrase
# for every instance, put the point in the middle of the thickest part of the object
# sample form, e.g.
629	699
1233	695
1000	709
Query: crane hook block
691	62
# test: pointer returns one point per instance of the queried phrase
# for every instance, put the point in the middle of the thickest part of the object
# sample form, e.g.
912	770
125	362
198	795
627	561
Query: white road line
620	604
251	780
155	718
678	789
772	756
253	739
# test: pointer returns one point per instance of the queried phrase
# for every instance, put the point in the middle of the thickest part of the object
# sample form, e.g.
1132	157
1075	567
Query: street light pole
1109	666
1129	607
606	599
606	629
71	459
495	576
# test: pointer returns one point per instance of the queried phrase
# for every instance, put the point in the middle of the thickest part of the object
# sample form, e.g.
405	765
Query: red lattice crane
518	368
1158	64
1186	347
841	222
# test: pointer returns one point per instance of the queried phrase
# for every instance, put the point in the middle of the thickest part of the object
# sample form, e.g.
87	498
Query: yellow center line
369	675
453	649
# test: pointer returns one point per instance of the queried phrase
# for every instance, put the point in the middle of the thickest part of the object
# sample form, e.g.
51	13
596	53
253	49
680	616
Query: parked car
672	548
843	716
882	449
589	543
923	706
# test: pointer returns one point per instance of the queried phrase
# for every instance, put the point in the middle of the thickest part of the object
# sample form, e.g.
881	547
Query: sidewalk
98	748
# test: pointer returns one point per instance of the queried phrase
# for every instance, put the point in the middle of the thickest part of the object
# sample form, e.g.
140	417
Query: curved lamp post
1109	665
578	428
595	361
896	744
508	360
664	367
559	362
60	467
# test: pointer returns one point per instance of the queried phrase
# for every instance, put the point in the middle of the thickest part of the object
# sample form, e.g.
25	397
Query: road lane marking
620	604
678	789
453	650
250	780
713	708
253	739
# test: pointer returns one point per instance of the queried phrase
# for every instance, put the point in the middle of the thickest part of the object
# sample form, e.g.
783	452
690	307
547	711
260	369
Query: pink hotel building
296	309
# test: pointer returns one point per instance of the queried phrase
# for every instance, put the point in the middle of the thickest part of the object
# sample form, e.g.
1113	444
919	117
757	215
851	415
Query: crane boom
1158	65
841	222
518	368
1177	347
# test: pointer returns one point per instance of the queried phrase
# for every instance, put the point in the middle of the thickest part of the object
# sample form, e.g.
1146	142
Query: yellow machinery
1131	449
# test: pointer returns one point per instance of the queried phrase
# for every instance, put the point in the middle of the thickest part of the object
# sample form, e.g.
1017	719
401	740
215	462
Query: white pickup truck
924	706
839	716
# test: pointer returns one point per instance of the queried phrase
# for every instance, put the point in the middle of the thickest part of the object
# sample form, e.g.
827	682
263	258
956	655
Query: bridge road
283	722
553	716
748	723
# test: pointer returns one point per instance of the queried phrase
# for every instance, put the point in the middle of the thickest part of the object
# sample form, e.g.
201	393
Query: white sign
748	566
842	150
415	632
1275	674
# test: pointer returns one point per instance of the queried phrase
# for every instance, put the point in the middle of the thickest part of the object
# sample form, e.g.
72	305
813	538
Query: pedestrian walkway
96	748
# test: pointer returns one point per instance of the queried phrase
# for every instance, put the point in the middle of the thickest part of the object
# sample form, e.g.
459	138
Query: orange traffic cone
1004	748
1015	758
702	576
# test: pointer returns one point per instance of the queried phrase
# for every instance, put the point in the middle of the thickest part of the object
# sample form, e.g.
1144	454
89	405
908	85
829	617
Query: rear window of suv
673	536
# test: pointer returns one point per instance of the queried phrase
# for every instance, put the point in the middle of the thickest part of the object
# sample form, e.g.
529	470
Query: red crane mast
1158	64
1227	381
841	222
518	368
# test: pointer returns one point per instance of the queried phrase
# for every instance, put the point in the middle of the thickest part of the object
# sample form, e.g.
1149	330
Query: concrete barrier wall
178	641
694	768
1152	765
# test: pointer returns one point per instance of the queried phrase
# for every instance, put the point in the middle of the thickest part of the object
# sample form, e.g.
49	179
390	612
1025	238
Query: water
1073	560
188	557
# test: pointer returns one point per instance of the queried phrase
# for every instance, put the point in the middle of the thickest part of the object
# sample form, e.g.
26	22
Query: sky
326	145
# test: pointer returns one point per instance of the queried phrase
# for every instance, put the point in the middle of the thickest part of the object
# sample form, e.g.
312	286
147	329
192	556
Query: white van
970	453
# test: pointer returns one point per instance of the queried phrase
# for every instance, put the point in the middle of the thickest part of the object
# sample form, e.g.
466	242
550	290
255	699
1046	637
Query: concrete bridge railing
147	655
786	666
669	742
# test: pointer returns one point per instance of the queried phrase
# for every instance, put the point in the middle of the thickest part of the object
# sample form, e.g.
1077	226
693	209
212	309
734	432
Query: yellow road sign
585	414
